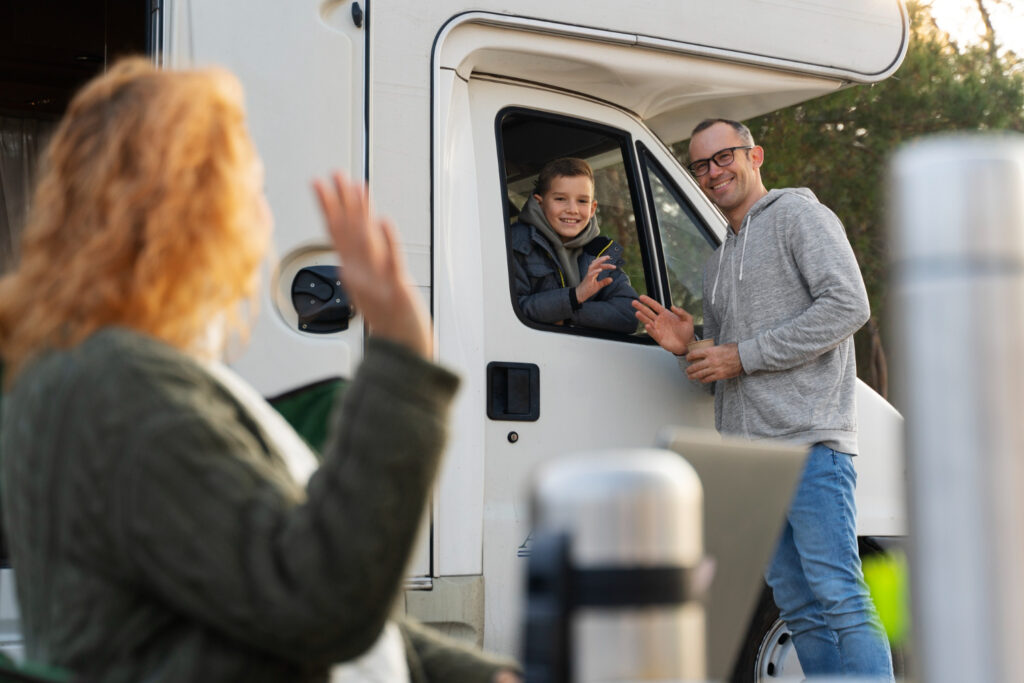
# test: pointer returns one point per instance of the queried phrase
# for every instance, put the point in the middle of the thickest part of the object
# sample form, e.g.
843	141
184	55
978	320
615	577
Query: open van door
584	389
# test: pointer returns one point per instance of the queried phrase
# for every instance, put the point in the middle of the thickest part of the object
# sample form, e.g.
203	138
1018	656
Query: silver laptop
748	486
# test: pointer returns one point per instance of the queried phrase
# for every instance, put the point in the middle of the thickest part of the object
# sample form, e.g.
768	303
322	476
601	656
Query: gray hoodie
788	290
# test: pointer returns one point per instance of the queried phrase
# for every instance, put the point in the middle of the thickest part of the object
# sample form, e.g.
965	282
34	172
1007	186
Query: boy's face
568	204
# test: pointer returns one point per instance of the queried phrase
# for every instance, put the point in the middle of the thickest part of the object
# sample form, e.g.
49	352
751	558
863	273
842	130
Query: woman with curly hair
159	518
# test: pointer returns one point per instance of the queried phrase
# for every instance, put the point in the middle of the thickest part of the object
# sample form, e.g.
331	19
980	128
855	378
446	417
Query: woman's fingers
354	214
328	201
395	264
373	270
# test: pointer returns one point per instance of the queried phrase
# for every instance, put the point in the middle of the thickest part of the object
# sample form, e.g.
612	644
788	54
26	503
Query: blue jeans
817	580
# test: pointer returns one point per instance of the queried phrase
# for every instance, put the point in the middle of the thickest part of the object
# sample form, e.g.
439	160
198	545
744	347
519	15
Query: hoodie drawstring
718	274
743	251
721	257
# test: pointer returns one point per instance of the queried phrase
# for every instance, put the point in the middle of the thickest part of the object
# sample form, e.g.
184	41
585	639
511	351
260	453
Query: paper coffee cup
699	344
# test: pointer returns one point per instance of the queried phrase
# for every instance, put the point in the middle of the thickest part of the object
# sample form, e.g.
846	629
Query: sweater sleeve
612	307
213	530
839	302
436	658
549	306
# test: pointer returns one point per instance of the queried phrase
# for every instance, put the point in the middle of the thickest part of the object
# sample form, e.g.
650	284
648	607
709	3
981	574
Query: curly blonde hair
149	214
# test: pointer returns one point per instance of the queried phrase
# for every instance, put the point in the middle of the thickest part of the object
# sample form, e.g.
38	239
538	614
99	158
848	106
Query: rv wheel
768	654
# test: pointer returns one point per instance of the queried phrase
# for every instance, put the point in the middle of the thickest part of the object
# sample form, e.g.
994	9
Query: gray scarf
567	253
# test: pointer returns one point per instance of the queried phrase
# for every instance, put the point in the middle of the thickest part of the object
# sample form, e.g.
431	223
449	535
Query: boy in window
565	271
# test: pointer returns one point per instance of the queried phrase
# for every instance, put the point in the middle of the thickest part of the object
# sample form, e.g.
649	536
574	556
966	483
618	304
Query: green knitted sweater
156	534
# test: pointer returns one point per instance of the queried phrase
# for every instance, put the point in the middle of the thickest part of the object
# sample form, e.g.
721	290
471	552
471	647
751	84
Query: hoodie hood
567	253
775	195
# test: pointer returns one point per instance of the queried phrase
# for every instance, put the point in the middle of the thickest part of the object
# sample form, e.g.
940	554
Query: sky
961	19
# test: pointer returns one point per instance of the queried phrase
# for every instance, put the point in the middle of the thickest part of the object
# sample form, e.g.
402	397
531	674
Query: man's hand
590	285
672	329
506	677
373	271
714	363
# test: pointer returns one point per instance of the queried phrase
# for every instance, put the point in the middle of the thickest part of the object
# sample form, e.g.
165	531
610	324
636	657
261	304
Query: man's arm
839	305
720	362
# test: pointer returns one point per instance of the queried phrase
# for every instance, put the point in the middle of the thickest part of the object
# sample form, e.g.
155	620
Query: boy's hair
564	167
744	132
146	215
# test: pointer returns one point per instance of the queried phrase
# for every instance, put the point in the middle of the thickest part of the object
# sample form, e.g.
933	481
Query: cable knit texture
157	535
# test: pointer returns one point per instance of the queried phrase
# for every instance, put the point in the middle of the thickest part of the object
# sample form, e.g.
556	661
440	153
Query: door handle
513	391
320	301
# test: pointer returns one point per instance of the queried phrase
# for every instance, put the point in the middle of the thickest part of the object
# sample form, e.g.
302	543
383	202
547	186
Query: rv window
50	48
527	141
685	242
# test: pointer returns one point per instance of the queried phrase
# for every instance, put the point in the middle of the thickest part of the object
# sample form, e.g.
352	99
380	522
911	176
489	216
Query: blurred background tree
839	145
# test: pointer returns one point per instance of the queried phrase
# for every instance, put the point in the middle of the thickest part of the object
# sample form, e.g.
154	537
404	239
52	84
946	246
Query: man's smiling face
731	187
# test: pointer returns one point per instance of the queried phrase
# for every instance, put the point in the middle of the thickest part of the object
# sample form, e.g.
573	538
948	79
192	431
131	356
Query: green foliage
839	145
886	577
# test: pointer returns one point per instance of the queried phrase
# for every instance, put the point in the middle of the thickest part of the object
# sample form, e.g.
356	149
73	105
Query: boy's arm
550	306
612	307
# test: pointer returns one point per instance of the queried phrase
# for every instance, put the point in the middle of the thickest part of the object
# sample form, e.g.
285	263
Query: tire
767	653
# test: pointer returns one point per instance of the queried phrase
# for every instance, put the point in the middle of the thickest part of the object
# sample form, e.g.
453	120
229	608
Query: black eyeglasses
722	158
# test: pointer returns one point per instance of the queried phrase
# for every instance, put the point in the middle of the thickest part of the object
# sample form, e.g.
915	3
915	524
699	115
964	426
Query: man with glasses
783	296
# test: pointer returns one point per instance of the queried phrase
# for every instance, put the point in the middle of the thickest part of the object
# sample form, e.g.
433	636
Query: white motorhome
448	109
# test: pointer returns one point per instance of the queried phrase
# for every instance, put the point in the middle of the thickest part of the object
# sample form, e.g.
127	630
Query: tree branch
990	32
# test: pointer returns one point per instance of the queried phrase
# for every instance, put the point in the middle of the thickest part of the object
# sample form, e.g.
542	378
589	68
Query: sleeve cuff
573	301
750	356
407	373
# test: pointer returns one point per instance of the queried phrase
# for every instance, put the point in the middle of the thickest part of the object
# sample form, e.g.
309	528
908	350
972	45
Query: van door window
527	141
686	243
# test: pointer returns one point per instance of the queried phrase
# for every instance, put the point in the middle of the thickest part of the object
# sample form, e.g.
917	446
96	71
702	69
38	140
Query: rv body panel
419	99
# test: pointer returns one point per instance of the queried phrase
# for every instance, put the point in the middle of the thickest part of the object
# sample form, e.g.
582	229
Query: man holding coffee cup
783	296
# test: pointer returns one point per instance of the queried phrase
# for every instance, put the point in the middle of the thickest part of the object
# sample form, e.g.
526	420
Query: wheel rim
777	657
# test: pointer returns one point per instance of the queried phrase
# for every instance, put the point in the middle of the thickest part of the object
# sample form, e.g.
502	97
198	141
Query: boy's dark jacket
542	291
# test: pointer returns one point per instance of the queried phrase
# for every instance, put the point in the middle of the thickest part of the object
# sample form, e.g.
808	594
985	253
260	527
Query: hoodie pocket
776	405
819	386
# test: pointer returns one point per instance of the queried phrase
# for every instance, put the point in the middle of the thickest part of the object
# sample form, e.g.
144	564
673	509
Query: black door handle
513	391
323	306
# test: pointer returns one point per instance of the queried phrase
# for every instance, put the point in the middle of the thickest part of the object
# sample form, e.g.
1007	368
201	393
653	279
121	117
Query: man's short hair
561	168
742	130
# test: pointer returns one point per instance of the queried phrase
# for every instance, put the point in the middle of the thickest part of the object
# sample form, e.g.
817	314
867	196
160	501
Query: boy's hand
672	329
590	285
373	271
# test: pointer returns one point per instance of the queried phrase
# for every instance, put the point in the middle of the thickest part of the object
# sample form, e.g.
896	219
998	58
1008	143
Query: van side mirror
322	304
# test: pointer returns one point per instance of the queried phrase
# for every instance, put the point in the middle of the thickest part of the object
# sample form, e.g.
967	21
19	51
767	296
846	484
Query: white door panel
305	113
595	393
